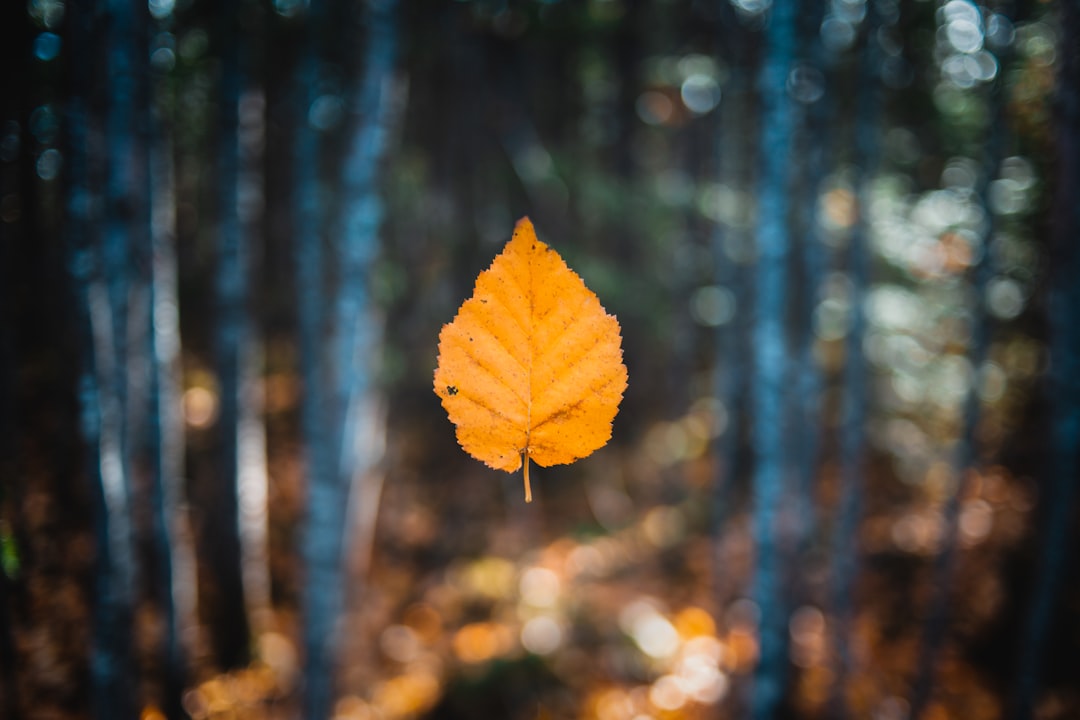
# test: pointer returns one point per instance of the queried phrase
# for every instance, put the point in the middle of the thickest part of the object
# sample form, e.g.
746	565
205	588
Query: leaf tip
524	229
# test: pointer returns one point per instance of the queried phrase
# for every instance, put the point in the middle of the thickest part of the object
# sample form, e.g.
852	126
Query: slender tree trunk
320	545
965	455
174	563
349	389
770	352
253	488
358	330
111	664
730	360
229	622
806	372
1058	493
103	285
855	374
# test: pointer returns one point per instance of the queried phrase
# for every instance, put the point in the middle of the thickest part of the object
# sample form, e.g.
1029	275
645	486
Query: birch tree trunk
174	575
340	443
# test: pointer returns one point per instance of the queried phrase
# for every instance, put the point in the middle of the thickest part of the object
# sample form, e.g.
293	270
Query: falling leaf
531	367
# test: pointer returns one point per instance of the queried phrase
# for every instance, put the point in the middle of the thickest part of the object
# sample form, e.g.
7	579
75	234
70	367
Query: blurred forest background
841	237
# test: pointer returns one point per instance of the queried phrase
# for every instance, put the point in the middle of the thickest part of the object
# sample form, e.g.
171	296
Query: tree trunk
103	280
770	353
229	621
342	452
815	122
1058	489
730	362
965	455
855	378
173	557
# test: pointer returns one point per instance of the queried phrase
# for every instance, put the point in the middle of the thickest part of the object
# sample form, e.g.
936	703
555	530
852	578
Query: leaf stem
528	489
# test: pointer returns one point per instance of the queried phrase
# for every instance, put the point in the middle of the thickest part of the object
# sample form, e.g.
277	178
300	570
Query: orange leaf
531	367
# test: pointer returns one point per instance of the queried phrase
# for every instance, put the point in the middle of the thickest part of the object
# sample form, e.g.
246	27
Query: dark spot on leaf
451	390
